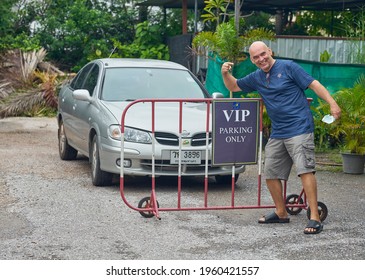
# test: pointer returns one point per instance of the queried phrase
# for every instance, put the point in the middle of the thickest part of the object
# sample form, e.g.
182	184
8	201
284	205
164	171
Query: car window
91	79
140	83
78	81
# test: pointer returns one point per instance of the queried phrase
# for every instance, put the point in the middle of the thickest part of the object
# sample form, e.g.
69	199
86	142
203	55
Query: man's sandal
315	226
273	218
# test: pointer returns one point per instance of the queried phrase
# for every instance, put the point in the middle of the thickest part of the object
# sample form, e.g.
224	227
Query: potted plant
350	128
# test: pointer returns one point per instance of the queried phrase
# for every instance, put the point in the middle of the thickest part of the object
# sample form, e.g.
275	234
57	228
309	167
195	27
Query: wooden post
184	16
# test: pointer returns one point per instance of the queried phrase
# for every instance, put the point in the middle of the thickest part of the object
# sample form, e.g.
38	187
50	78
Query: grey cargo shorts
281	154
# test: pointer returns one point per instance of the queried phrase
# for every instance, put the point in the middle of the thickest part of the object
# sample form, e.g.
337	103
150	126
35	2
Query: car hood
139	115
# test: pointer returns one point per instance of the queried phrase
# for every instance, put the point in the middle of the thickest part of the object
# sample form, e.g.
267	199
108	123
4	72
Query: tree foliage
227	42
330	23
321	23
69	33
15	26
215	11
75	31
6	16
147	44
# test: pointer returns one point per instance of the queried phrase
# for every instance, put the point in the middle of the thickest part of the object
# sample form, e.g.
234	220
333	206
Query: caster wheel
322	210
146	203
293	199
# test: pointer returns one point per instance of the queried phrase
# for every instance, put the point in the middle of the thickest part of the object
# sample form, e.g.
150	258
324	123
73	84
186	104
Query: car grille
170	139
200	139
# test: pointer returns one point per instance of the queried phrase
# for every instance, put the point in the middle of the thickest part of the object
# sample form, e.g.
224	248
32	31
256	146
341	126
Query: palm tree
24	90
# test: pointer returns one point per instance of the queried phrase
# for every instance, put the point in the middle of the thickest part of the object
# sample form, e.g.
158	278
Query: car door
69	107
83	109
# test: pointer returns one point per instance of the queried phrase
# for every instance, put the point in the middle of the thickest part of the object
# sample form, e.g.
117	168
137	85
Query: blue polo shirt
282	90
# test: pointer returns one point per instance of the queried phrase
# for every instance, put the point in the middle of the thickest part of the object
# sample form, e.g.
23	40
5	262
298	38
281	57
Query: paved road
50	210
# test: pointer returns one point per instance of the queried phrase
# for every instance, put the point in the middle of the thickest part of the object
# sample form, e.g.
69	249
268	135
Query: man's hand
335	110
226	67
229	81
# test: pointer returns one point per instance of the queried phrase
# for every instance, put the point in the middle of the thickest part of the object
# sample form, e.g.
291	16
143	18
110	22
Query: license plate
188	157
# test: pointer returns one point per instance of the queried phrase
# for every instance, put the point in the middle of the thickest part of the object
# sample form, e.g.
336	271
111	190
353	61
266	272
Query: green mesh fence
333	76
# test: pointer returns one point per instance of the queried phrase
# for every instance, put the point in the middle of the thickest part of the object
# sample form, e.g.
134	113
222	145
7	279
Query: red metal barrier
149	206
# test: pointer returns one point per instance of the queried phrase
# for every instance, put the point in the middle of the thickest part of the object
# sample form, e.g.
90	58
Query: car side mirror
217	95
82	94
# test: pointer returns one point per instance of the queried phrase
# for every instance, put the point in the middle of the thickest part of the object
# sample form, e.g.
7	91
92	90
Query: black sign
235	131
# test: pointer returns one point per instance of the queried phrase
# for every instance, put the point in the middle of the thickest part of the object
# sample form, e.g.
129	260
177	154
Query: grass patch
329	160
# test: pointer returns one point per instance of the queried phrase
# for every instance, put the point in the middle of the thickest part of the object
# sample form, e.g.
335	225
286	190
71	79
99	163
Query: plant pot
353	163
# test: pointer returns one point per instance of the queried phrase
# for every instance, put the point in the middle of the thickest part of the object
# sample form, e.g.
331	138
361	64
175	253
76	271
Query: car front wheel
65	150
99	177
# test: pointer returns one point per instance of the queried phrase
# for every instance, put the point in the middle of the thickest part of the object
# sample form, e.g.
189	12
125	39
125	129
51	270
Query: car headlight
130	134
138	136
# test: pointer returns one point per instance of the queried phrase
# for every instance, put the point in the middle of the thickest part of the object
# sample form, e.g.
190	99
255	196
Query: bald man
281	85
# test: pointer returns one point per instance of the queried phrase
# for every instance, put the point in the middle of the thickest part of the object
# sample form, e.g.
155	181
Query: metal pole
237	15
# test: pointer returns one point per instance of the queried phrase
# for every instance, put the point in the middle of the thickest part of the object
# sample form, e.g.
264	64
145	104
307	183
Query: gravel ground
49	210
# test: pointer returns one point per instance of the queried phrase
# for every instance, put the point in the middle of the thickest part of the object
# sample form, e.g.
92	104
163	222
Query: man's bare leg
309	183
276	191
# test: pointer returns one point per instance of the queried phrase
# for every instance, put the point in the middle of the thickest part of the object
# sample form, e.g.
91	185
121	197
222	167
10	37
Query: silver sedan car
90	108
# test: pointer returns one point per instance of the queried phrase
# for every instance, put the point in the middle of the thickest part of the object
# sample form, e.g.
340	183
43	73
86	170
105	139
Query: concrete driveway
50	210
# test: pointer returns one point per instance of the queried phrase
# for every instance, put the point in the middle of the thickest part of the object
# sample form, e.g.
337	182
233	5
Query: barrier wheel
293	199
322	210
146	203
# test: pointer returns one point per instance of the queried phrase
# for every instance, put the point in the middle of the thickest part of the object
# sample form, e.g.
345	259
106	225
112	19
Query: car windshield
122	84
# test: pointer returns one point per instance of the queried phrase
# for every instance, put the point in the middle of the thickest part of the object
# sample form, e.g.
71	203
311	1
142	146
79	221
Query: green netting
214	80
333	76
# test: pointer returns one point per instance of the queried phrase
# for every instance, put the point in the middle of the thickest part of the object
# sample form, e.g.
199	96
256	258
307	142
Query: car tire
98	176
225	179
65	151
